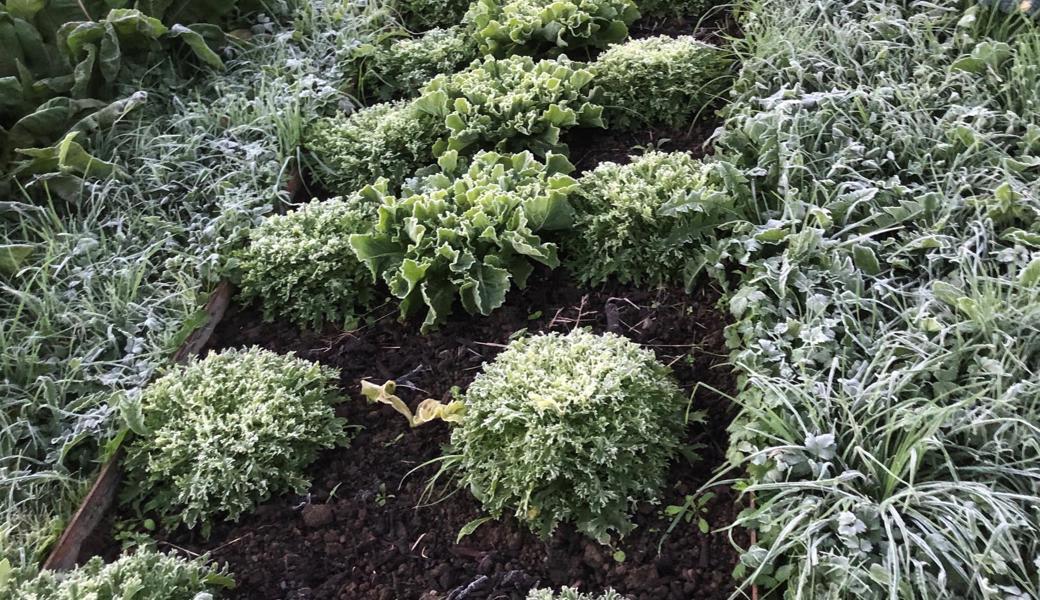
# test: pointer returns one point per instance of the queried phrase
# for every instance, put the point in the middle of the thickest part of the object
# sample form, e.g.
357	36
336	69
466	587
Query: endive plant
507	27
572	428
222	434
467	233
511	104
143	574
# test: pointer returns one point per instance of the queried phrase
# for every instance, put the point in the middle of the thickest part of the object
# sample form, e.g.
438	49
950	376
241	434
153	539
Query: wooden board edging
66	552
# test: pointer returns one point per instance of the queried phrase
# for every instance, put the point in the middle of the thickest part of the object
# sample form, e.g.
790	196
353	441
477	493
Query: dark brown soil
590	147
358	533
714	27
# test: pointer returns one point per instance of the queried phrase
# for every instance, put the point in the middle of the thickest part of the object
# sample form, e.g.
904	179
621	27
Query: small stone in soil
317	515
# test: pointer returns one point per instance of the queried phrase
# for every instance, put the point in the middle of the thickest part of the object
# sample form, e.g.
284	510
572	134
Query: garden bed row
362	531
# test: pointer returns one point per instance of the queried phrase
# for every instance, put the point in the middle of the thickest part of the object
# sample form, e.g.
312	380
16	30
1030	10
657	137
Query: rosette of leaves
467	233
511	104
62	61
390	140
660	81
508	27
96	48
569	429
301	267
143	574
648	222
401	68
221	434
421	15
569	593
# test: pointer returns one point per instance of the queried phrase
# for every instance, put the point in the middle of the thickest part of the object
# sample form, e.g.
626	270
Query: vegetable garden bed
365	528
549	332
358	533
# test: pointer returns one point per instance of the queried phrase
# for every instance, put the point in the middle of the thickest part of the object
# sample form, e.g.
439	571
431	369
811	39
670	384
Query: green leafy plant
660	81
569	593
422	15
468	232
693	507
888	303
143	574
390	140
650	221
569	429
511	104
63	61
224	433
301	267
95	47
508	27
401	68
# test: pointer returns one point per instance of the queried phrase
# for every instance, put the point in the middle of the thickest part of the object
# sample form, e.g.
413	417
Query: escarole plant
568	428
507	27
468	232
661	80
653	221
389	140
300	265
220	435
511	104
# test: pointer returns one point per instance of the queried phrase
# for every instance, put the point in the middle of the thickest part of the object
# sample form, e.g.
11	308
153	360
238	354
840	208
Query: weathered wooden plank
102	494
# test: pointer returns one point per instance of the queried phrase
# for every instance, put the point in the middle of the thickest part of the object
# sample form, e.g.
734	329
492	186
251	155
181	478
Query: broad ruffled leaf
68	157
375	251
198	45
485	290
468	233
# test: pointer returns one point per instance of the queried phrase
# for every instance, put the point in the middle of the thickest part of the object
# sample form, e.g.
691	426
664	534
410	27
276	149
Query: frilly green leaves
467	233
507	27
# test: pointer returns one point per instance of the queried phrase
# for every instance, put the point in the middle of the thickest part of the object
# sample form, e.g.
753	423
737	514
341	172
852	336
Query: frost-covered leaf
227	432
569	428
507	27
467	233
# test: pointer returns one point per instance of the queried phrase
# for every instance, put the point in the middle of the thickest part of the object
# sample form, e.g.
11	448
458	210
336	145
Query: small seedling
382	496
693	507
